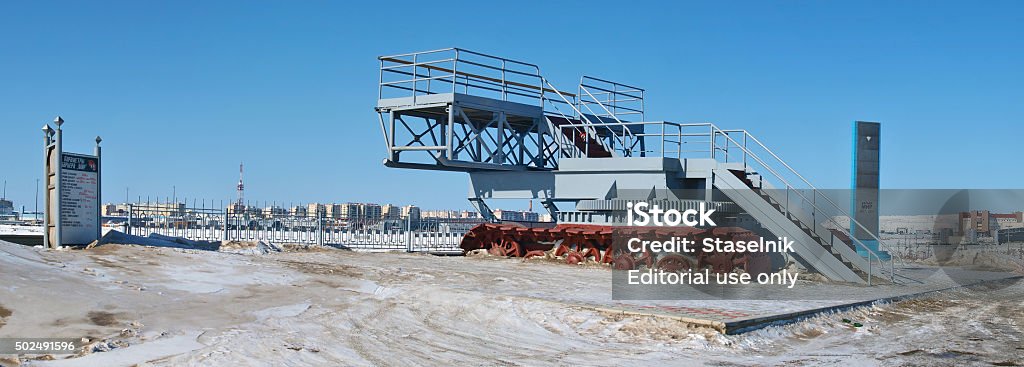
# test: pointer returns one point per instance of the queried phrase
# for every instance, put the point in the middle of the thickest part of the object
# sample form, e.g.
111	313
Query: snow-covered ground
21	230
172	306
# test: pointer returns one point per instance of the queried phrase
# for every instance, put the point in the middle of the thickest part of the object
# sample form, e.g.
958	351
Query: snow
149	351
171	305
20	230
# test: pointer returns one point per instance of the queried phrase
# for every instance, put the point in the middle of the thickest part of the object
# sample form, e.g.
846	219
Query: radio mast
241	188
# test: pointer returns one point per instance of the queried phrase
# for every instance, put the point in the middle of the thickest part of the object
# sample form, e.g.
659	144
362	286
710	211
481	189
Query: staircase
586	141
804	215
813	250
575	129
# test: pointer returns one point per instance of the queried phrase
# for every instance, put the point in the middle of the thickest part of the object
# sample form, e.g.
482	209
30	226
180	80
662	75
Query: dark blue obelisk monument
867	139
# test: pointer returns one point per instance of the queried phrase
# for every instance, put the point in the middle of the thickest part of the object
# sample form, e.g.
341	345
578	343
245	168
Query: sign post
867	138
72	212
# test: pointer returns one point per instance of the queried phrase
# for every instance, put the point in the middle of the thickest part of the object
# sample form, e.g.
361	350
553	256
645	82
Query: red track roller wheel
624	261
505	247
575	257
562	249
674	263
593	251
647	259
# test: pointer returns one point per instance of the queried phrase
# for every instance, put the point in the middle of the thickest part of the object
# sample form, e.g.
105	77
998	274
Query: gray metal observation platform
590	151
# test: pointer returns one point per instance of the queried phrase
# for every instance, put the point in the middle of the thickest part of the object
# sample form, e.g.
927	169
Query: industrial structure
584	154
241	185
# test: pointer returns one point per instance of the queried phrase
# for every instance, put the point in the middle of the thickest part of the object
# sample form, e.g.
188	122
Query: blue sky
182	91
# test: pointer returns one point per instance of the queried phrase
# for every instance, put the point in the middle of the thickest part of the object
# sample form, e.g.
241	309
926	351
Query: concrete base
873	245
741	316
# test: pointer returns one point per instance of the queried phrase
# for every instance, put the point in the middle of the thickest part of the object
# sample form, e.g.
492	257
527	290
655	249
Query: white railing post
869	271
455	71
224	226
408	234
892	270
319	229
711	136
128	225
415	78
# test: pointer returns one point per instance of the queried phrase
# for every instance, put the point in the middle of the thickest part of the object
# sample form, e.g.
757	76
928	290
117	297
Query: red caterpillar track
576	243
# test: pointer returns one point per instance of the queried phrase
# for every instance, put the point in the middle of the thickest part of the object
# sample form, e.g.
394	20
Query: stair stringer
839	248
813	253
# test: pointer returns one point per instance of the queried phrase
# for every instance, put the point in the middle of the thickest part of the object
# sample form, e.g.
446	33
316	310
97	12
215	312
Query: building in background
315	209
1007	221
440	214
169	209
370	211
274	211
236	208
348	210
516	215
298	211
360	212
390	212
335	211
7	210
411	212
983	223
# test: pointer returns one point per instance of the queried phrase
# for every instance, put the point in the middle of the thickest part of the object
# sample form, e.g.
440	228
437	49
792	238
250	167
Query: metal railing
807	204
797	197
455	70
597	102
585	130
669	139
617	101
281	226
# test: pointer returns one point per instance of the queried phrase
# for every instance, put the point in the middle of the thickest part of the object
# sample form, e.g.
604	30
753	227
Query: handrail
626	130
714	129
714	132
616	83
811	186
427	65
459	50
747	135
558	135
588	130
613	92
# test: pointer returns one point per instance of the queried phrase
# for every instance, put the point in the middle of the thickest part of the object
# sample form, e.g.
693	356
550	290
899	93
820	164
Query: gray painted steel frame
502	133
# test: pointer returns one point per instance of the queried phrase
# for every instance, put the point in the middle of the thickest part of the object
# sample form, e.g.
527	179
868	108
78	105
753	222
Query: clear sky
181	91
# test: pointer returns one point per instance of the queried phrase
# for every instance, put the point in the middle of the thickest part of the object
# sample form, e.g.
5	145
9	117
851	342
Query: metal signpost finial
57	204
99	189
47	132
